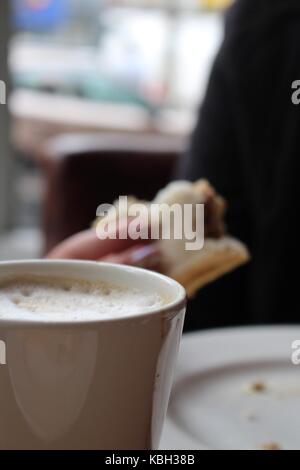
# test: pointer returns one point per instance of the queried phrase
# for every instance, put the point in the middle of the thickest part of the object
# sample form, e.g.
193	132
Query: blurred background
101	98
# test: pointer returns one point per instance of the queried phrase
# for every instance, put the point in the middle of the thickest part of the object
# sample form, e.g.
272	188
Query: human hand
87	246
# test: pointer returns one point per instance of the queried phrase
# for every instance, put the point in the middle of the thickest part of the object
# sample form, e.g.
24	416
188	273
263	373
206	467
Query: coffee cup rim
171	308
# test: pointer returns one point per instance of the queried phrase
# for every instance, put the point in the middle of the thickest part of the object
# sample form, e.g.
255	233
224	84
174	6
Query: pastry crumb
271	446
250	415
257	387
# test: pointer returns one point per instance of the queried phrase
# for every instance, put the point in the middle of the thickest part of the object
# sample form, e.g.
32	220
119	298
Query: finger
144	256
86	245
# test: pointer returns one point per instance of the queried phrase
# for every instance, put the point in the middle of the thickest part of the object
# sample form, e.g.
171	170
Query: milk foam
71	300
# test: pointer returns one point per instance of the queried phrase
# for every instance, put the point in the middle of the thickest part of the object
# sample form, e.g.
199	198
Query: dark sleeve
214	151
214	154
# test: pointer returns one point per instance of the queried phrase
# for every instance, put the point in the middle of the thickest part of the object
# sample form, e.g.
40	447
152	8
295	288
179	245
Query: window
147	52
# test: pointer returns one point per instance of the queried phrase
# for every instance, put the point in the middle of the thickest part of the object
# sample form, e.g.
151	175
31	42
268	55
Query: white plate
211	406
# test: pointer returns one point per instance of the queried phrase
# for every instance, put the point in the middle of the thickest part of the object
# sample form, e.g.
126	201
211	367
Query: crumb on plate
271	446
257	387
250	415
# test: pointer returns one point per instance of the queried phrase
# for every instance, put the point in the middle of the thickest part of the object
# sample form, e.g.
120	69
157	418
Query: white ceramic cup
100	384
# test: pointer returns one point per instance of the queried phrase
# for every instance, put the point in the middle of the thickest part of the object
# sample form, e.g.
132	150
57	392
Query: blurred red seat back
84	171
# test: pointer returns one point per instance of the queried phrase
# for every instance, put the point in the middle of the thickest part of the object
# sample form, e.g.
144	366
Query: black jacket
247	143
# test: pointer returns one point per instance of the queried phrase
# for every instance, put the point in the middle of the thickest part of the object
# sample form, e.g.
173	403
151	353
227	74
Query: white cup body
101	384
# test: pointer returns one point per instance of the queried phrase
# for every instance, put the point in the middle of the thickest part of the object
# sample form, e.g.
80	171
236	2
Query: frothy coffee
71	300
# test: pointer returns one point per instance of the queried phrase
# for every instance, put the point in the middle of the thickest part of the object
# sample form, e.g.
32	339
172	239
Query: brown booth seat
83	171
